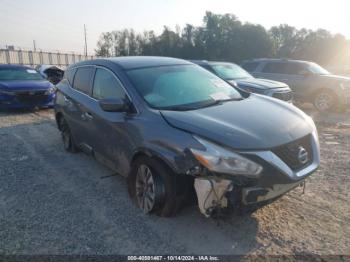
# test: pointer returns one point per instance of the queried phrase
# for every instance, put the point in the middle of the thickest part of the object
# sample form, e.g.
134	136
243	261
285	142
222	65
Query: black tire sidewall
170	204
71	147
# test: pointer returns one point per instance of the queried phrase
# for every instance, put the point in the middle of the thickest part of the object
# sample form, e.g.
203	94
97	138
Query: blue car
24	87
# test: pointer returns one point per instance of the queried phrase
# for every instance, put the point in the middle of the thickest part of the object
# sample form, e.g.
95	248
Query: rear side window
284	68
250	66
294	68
274	68
106	85
82	79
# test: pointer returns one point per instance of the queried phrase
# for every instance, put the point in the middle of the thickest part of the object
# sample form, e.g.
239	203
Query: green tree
225	37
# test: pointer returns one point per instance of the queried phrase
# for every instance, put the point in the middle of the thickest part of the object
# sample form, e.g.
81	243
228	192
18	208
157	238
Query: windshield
19	74
180	87
230	71
317	70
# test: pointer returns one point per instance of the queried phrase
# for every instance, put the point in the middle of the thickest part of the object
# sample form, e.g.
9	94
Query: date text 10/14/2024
173	258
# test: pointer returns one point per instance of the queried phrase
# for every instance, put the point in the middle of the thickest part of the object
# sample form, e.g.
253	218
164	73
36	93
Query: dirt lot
53	202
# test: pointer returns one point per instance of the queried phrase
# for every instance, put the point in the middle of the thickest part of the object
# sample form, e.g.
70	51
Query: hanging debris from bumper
211	194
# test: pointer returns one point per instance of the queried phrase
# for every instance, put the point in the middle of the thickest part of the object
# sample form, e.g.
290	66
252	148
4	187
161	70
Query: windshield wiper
178	108
199	106
219	101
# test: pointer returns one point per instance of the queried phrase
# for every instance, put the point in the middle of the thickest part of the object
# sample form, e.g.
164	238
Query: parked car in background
241	79
309	81
24	87
172	127
52	73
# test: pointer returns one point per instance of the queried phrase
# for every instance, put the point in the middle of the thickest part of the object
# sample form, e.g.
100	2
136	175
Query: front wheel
149	189
155	187
325	101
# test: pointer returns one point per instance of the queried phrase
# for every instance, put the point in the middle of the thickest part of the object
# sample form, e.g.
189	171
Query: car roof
275	60
205	62
133	62
9	66
199	62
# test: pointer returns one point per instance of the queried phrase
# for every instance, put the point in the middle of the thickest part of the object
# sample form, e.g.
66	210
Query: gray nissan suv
178	132
309	81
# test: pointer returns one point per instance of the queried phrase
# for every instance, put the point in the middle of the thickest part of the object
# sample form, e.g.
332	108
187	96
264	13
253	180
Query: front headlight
252	90
220	160
51	90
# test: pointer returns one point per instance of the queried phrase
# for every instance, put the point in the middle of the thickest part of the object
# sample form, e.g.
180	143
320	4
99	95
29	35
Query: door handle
88	116
66	99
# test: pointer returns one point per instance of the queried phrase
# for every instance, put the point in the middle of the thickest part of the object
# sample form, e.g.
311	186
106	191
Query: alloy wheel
324	101
145	189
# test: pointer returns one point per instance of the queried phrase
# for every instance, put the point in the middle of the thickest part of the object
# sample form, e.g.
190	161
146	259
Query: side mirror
113	105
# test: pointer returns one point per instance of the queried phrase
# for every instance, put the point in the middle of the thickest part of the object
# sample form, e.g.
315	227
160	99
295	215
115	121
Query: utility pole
34	45
85	40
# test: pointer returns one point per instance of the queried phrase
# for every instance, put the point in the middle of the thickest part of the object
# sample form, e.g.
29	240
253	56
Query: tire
168	195
325	101
67	138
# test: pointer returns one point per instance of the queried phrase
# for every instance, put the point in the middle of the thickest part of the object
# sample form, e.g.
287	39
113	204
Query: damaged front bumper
253	195
276	179
213	193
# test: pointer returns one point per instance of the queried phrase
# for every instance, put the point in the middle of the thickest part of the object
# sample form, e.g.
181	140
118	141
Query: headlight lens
51	90
252	90
220	160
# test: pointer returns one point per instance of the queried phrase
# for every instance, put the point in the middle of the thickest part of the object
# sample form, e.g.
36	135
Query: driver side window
106	85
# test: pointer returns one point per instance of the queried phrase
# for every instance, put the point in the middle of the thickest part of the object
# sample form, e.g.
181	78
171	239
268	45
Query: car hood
258	83
336	78
14	85
255	123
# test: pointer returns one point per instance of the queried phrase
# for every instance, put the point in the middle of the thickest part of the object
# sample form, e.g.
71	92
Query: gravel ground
53	202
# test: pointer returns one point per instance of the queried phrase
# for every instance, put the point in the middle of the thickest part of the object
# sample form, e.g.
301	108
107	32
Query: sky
59	24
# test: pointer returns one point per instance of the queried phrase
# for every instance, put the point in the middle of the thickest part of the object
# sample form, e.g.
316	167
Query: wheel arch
324	88
179	186
146	152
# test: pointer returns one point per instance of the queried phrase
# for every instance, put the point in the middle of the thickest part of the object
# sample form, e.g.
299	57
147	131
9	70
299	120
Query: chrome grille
285	96
288	153
31	97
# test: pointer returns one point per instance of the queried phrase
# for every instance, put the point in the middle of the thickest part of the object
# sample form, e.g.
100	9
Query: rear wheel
155	187
67	138
325	101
